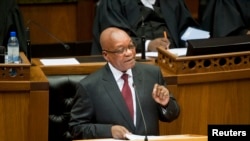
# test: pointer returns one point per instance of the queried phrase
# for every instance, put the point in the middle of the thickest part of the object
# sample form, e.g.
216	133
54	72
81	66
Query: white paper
63	61
194	33
178	51
149	54
140	137
167	137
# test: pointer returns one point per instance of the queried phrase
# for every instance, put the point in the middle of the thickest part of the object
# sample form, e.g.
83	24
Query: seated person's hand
158	42
248	32
118	132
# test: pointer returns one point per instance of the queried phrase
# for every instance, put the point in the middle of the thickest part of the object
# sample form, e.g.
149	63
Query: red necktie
127	95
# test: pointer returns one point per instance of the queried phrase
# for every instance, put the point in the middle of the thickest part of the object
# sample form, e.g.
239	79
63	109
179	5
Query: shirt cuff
164	110
146	45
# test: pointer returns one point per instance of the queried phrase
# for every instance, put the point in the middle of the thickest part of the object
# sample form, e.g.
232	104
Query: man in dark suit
156	16
99	110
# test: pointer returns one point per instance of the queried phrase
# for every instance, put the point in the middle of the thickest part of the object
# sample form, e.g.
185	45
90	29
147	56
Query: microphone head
66	46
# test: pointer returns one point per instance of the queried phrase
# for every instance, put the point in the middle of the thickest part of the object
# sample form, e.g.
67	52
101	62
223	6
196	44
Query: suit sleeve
82	125
172	110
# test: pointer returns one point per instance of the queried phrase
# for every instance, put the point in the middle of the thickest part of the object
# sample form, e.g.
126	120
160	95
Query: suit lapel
139	91
114	93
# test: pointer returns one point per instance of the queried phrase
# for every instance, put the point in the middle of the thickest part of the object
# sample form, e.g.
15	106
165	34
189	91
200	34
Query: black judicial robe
226	17
125	13
11	20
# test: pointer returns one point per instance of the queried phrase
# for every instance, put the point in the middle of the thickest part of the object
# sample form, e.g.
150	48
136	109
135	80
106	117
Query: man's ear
104	54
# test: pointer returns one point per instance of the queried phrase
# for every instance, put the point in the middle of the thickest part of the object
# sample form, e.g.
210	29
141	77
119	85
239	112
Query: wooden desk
88	64
24	107
184	137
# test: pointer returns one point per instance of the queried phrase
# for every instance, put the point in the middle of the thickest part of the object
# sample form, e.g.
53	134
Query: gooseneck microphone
41	28
143	119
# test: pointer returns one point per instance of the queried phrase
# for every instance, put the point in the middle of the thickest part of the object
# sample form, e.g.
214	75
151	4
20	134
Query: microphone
143	119
41	28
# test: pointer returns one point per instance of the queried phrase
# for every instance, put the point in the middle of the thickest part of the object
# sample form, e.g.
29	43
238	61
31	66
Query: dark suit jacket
125	13
99	104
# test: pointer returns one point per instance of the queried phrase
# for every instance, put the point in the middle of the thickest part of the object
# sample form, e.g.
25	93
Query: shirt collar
148	3
117	74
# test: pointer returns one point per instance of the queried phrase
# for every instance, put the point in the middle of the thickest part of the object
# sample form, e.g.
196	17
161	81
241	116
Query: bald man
99	109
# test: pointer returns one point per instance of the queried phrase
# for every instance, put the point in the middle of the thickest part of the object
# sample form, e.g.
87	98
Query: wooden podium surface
184	137
88	64
23	103
212	89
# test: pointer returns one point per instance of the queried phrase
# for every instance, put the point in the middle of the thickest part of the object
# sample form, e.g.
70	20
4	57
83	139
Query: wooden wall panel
57	19
69	22
224	102
14	116
193	6
85	18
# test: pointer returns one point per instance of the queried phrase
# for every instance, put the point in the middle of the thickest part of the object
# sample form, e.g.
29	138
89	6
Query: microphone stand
143	40
28	44
143	119
41	28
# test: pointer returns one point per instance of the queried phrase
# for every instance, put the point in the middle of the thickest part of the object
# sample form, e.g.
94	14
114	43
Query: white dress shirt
117	75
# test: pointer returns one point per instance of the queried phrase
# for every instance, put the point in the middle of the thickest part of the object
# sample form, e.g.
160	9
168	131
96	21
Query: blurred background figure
12	20
226	17
148	18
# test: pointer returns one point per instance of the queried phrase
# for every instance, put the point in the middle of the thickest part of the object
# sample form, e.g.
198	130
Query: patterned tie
127	95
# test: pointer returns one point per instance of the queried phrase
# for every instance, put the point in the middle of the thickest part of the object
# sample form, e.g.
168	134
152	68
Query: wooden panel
15	72
226	102
39	106
24	108
85	19
214	94
193	6
14	113
59	20
68	22
38	118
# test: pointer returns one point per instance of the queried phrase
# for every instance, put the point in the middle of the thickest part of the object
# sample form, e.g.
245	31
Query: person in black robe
142	20
12	20
227	18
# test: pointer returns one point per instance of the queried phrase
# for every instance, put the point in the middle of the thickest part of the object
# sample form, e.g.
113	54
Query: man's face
121	52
